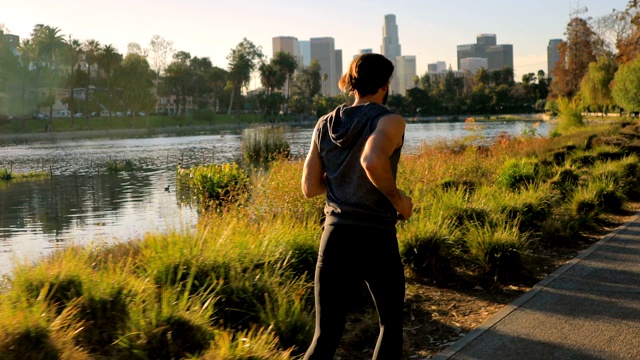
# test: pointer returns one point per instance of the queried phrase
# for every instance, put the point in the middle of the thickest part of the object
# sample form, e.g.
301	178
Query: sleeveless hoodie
351	197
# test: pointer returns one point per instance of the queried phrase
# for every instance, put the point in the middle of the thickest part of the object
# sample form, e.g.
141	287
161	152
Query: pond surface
82	204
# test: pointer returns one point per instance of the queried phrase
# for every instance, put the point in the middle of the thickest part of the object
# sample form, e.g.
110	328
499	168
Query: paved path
588	309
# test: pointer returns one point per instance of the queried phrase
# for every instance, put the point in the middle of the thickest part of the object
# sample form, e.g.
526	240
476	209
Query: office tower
10	42
289	45
486	40
437	67
363	51
473	64
390	40
338	61
305	52
500	56
552	55
404	75
323	50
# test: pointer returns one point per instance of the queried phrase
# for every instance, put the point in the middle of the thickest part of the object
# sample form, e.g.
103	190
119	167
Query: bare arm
314	179
375	160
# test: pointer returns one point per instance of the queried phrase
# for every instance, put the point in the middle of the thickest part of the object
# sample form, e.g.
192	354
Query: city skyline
430	31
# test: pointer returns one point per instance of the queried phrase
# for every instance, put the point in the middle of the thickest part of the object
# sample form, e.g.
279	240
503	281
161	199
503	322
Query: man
354	158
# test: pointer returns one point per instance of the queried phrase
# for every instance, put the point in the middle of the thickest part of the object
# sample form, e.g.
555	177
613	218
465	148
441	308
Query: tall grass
570	114
264	143
239	285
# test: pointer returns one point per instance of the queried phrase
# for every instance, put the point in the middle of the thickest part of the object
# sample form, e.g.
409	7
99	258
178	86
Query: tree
178	79
305	86
595	90
628	34
242	62
72	57
135	77
50	45
92	49
135	48
159	51
288	64
216	79
109	60
575	54
626	86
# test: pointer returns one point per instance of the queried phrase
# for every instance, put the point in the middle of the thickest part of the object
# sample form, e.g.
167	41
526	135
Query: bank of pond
240	285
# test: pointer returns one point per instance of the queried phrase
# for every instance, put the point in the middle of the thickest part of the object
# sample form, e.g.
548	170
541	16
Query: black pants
349	255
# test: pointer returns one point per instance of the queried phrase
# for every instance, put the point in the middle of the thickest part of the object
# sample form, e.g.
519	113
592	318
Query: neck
365	100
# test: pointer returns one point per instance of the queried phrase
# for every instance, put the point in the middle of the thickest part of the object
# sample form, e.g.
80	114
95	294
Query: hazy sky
428	29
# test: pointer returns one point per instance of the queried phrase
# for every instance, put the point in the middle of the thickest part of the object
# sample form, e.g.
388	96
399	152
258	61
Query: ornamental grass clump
516	173
265	143
216	185
624	172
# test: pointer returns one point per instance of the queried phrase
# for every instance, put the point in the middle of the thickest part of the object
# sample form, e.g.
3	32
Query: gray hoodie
351	197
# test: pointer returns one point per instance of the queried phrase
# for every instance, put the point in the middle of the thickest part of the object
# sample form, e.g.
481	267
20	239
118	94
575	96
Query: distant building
305	52
436	67
473	64
552	55
10	42
498	56
289	45
390	40
323	50
363	51
338	54
404	74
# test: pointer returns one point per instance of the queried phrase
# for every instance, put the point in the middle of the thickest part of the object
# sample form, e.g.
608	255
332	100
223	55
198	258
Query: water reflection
81	203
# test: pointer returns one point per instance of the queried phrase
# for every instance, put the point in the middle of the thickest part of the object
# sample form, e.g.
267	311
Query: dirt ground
436	315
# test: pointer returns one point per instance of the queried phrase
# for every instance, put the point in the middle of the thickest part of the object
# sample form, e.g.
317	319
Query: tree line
598	66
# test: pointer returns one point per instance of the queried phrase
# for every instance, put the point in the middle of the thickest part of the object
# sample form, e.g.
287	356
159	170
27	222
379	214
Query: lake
82	204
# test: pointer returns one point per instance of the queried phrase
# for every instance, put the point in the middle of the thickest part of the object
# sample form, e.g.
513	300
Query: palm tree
73	50
324	82
109	60
28	54
92	49
50	44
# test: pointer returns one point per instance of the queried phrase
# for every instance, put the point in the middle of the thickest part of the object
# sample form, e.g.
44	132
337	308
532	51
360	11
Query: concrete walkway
588	309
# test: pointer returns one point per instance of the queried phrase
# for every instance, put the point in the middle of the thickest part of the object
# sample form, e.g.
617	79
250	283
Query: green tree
50	45
160	49
72	57
626	86
242	62
178	79
305	86
109	61
595	90
92	50
217	79
576	52
135	77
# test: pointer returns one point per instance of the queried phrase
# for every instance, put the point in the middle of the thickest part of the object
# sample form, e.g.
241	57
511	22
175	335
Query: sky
428	29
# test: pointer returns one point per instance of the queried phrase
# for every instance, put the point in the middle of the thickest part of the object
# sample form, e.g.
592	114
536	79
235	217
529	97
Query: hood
347	123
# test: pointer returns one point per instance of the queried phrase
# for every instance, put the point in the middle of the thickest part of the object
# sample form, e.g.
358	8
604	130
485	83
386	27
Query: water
82	204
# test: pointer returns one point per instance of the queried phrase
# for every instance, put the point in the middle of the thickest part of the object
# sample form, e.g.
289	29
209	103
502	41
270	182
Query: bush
518	172
496	249
425	248
570	114
217	185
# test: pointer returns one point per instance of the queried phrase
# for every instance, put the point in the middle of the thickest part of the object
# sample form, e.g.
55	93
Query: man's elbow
309	191
369	163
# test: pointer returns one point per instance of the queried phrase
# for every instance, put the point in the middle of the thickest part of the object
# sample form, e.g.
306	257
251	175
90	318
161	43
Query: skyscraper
390	41
473	64
323	50
289	45
305	52
498	56
552	55
338	55
405	74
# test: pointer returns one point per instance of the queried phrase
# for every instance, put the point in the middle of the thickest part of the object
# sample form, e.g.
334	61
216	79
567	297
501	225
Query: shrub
518	172
570	114
264	143
217	185
496	250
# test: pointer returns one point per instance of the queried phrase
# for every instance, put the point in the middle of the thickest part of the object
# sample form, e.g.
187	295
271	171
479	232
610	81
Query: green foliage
626	86
496	249
264	143
217	185
204	115
5	174
570	114
595	90
516	173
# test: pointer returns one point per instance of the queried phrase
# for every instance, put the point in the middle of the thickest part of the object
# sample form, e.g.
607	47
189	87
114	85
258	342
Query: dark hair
367	74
